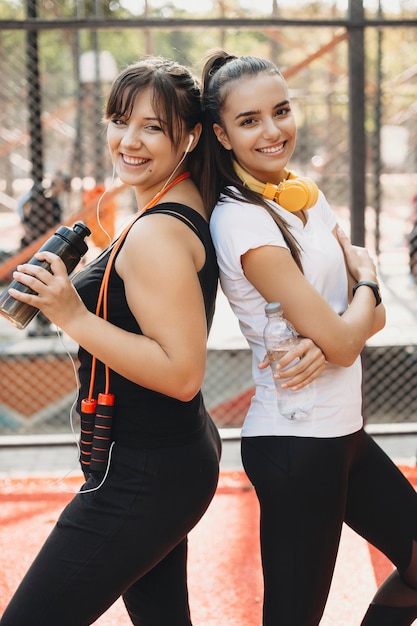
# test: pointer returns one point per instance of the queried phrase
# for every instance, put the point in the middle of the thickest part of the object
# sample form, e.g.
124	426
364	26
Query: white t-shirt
237	227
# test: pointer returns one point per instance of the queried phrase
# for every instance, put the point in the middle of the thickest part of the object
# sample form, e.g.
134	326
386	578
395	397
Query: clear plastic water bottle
279	337
70	246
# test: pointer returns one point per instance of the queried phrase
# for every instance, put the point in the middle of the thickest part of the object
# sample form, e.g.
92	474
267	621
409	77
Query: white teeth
132	161
271	150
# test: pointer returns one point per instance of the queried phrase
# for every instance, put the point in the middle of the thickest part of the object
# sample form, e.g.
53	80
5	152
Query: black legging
307	488
127	539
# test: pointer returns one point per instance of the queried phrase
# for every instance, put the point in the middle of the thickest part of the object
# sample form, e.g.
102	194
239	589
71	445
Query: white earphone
189	144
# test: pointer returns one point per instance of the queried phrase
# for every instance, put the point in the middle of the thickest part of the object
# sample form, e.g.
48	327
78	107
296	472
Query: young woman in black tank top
125	532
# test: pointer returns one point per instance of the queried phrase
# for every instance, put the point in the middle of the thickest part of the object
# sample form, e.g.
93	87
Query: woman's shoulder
181	211
229	209
187	215
238	226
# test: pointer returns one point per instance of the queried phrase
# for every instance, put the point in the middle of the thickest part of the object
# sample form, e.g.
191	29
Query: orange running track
225	580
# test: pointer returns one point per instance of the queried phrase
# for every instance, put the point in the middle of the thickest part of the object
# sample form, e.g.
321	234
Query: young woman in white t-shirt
277	239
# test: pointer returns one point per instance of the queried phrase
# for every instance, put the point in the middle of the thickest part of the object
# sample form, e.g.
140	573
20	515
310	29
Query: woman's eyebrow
247	113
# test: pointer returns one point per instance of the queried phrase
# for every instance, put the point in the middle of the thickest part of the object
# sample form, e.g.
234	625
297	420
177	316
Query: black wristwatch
373	286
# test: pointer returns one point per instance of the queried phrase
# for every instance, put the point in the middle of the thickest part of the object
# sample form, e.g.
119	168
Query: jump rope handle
102	432
87	415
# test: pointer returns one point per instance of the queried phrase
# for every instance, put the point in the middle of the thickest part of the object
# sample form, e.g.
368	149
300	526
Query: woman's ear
193	137
221	136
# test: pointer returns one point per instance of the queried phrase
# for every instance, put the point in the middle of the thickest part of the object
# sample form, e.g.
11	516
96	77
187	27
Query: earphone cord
102	301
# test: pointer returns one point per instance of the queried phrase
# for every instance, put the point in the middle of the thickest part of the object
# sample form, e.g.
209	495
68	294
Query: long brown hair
220	72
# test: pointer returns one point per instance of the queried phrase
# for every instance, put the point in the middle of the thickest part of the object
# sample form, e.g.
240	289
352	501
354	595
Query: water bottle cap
82	229
273	307
75	236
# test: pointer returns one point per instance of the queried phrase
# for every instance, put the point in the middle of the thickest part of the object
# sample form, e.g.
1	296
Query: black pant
307	488
128	538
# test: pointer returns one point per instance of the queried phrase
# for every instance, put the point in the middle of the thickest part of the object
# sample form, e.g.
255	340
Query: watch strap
371	285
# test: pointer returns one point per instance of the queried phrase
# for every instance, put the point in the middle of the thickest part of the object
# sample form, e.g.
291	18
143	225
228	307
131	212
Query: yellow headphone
293	194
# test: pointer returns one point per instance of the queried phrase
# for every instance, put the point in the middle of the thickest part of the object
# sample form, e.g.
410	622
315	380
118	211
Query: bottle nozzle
81	229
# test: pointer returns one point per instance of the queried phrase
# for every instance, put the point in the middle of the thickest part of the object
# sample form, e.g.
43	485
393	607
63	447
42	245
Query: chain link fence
57	60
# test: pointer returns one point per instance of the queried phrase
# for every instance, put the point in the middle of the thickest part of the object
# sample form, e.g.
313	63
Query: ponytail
221	70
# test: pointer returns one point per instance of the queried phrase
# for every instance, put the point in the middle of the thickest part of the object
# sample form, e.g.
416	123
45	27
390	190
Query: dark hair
176	98
220	72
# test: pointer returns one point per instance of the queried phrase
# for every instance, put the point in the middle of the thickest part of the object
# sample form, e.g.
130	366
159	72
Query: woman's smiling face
258	125
140	147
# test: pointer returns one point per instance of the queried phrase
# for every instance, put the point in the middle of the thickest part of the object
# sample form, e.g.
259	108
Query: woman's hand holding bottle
308	364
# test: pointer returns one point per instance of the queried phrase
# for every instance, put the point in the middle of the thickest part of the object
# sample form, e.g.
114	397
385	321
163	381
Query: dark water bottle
66	243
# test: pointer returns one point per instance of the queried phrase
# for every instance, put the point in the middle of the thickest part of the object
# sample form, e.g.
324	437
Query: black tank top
142	417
